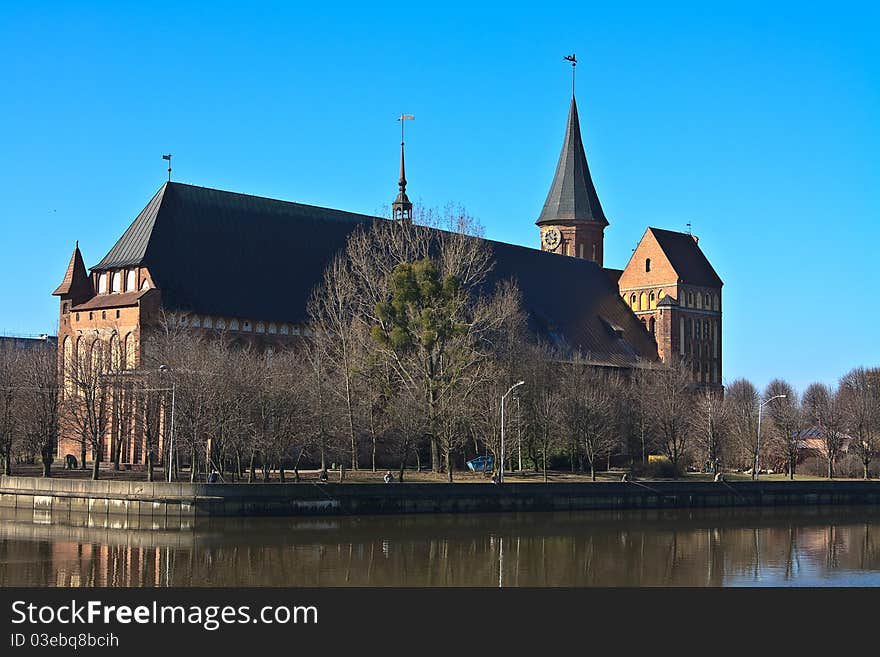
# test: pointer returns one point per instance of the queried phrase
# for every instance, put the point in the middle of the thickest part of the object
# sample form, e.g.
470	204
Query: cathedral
246	265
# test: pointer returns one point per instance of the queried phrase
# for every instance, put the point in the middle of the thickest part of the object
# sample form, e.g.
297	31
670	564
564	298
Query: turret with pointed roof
572	221
76	285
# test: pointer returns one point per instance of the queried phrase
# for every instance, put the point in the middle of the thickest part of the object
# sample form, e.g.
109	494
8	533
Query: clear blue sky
757	122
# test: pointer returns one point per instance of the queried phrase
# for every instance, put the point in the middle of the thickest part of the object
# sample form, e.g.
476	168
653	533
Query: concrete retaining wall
162	500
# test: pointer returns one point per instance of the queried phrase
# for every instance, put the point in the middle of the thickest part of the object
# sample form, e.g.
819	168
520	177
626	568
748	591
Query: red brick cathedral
193	252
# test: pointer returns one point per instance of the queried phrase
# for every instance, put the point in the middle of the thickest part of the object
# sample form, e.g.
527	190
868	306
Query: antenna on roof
690	232
573	59
168	157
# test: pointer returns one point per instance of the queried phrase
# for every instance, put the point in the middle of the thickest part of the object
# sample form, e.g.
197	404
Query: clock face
551	238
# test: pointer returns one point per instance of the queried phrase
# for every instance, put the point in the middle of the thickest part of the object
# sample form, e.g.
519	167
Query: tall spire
402	208
572	197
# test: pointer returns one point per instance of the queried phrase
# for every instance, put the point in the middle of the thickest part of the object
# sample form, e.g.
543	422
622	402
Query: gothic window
284	329
272	329
233	324
708	302
91	315
117	281
115	354
145	285
699	301
130	282
102	283
647	265
261	328
221	324
643	301
77	317
681	336
103	314
632	302
652	325
208	323
653	301
690	299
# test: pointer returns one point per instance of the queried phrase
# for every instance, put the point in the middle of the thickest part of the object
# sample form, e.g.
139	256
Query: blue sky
756	122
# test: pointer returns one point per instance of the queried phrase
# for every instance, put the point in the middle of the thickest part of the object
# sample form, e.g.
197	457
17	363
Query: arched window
102	283
285	330
690	298
115	353
653	301
117	281
272	329
643	301
647	264
233	324
260	328
699	301
661	294
708	302
131	280
652	326
145	285
208	323
633	302
220	324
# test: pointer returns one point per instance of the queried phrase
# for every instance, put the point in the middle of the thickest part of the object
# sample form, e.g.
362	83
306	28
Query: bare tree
588	402
86	410
39	411
861	406
710	427
10	392
543	404
784	420
741	401
671	406
825	407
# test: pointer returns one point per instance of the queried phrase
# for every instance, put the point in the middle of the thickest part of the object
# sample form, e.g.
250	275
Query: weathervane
168	157
573	59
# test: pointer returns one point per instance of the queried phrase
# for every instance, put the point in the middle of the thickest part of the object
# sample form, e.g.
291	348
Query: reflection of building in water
636	549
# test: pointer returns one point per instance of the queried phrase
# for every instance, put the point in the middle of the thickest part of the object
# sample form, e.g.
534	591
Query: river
795	546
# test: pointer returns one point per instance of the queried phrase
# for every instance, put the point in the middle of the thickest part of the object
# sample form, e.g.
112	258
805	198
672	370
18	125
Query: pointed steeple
402	208
572	197
76	284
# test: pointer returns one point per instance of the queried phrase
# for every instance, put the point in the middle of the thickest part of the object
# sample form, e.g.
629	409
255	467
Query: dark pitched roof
686	258
76	281
572	195
222	253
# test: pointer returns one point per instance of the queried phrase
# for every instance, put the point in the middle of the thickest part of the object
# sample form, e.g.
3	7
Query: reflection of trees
636	549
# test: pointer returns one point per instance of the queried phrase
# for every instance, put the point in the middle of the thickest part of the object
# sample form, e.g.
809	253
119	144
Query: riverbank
56	498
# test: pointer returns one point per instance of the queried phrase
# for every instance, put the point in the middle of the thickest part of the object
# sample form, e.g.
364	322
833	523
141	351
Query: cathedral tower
572	222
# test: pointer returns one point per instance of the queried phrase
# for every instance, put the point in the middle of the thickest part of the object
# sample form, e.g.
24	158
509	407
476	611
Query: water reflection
721	547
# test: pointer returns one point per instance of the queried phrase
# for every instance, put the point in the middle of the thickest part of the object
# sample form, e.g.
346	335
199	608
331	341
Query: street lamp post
503	397
758	445
169	457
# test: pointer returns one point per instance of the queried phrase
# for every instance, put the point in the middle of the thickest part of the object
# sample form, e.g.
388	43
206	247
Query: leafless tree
11	371
39	410
671	404
741	401
825	407
710	426
784	419
543	404
588	409
86	411
860	396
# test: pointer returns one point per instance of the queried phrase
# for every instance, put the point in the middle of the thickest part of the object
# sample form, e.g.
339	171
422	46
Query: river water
827	546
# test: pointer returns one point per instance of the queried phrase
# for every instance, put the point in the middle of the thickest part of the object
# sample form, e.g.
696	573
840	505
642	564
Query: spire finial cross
573	59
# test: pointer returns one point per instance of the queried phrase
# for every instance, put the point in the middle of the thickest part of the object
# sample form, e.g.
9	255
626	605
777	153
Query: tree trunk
592	472
7	457
252	472
448	459
830	469
95	465
82	455
342	472
544	463
46	456
866	476
374	453
192	463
